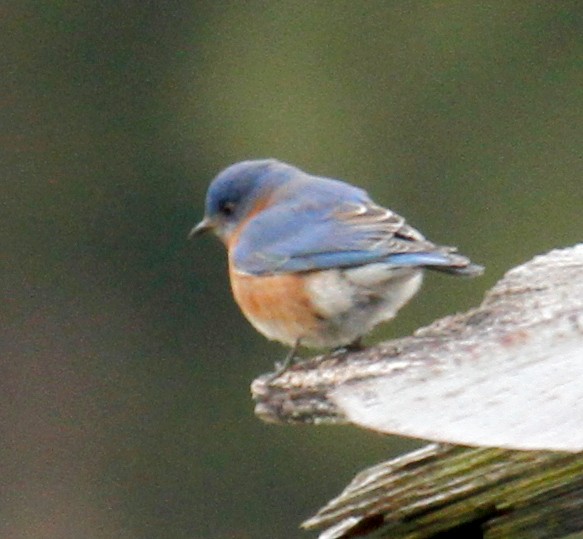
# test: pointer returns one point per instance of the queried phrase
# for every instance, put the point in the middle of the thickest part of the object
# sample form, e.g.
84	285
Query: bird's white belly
354	301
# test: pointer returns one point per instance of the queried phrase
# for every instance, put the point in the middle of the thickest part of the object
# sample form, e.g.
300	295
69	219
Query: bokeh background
125	365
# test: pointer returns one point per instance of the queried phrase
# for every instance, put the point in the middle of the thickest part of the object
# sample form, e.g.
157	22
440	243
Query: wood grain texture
506	374
460	492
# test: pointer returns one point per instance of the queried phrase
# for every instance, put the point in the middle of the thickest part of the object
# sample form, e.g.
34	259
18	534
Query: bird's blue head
238	191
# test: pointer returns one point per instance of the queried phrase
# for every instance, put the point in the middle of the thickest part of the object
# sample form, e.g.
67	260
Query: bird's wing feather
307	236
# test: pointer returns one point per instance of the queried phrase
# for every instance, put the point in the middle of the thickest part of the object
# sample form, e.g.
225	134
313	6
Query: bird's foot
281	366
354	346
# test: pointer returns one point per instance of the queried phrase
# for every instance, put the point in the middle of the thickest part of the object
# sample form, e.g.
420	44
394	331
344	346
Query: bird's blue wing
314	234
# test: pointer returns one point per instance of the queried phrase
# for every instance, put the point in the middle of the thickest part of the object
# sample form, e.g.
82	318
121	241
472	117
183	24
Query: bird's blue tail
453	263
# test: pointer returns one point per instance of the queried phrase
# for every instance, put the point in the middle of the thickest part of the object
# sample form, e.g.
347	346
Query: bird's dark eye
227	208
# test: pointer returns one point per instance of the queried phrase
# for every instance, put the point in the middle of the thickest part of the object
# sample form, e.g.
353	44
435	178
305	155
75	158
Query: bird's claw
341	351
282	366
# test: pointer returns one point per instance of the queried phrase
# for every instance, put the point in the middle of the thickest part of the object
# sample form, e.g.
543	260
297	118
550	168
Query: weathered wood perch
507	374
456	492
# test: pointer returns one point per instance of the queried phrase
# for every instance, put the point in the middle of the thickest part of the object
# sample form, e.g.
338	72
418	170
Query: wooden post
505	377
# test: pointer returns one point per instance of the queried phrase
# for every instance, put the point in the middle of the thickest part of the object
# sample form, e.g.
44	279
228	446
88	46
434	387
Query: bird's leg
355	346
281	367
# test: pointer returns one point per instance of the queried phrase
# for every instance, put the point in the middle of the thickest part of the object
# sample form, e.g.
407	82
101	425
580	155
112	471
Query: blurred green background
125	364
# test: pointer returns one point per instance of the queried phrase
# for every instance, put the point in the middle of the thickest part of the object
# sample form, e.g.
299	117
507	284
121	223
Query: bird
314	261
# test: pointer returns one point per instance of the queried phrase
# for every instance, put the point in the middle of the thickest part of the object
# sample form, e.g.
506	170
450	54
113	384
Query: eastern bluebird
314	261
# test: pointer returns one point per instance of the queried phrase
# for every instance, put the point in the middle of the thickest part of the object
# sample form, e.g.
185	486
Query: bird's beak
201	227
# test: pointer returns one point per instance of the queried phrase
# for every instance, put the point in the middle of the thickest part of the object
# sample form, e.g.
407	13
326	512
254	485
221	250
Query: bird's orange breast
278	306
